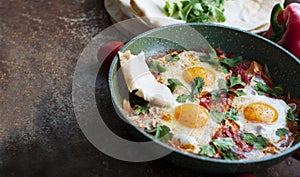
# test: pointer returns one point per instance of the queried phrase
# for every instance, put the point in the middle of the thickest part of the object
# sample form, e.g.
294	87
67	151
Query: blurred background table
40	44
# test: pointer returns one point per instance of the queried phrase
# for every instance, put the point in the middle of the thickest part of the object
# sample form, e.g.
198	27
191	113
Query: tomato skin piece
108	51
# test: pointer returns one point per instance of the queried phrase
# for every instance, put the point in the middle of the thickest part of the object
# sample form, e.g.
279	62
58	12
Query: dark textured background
40	43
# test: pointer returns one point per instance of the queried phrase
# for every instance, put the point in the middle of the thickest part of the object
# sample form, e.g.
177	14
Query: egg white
257	128
187	60
186	135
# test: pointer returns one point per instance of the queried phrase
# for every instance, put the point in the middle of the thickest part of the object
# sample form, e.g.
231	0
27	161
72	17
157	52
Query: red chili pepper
285	27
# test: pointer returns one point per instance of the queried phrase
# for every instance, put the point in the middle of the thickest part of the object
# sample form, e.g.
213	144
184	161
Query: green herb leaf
232	114
197	85
156	67
211	57
259	142
276	91
291	116
223	69
173	83
237	92
141	109
183	98
223	144
222	84
263	89
215	94
236	81
282	131
217	116
161	132
173	57
230	155
207	150
231	62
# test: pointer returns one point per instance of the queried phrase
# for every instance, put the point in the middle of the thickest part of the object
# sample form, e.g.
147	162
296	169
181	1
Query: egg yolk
260	112
207	75
191	115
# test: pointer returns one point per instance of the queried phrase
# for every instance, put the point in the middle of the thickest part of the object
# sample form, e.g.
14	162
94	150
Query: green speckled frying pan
283	67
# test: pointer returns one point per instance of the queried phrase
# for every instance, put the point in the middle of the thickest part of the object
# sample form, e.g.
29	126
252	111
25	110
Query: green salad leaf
196	10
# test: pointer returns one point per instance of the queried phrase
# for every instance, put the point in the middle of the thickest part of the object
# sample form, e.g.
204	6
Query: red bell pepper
285	27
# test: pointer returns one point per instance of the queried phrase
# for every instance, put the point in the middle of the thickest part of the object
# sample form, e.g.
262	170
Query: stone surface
40	44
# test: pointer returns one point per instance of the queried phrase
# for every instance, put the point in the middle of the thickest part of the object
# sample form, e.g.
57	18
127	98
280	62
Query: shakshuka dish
218	105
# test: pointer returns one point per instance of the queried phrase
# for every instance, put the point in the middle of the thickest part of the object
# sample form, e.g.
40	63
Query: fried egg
191	125
188	67
261	115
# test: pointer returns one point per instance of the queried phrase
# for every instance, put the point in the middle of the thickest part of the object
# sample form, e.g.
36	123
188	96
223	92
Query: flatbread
138	77
250	15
